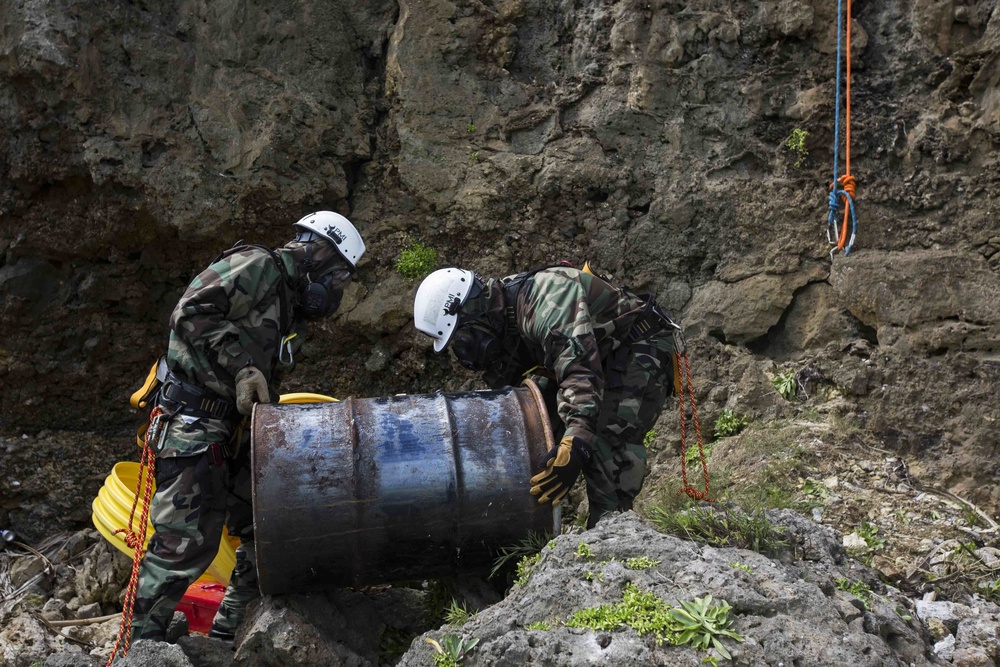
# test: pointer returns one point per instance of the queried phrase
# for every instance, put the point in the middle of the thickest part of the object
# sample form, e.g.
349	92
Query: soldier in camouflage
603	355
233	335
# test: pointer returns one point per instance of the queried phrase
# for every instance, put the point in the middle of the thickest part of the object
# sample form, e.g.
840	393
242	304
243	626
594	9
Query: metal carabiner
286	348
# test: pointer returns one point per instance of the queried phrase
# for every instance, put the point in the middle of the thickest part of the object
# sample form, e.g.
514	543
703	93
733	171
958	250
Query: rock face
650	137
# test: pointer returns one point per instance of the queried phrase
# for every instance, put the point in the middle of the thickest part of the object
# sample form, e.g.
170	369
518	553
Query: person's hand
250	388
562	467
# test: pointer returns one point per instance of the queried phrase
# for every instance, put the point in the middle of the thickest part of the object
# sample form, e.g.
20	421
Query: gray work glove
250	388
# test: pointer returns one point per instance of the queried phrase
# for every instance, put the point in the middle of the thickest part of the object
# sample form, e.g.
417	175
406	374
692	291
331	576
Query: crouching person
606	353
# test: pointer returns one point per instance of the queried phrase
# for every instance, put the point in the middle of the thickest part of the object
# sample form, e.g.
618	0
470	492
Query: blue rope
832	234
836	108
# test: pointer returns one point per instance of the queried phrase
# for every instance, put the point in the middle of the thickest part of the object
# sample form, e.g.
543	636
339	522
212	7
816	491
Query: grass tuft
723	527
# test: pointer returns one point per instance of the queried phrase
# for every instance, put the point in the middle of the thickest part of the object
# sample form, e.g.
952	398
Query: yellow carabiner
286	347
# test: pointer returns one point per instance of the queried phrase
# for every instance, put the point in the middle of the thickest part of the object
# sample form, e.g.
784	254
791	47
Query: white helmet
439	297
339	231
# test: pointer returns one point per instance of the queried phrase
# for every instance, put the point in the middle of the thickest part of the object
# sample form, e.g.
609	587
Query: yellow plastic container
111	507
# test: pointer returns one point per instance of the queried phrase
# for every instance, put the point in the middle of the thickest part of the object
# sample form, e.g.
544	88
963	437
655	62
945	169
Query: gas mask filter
321	298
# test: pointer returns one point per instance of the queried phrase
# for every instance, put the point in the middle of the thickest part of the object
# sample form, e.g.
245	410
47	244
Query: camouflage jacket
570	322
231	316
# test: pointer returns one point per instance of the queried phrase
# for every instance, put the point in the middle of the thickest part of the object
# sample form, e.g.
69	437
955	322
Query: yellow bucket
113	504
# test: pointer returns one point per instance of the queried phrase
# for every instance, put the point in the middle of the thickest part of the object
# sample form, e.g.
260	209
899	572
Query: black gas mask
321	298
476	346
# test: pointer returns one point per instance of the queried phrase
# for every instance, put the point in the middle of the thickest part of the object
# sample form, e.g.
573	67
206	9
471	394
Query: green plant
416	261
796	143
699	623
970	516
990	590
858	589
456	613
869	533
470	128
741	566
474	156
693	454
704	623
529	546
810	415
640	563
524	567
647	440
451	650
723	527
583	551
786	385
813	488
643	611
730	423
537	625
591	576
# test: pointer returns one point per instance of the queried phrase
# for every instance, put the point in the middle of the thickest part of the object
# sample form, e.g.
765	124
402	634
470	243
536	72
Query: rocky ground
889	567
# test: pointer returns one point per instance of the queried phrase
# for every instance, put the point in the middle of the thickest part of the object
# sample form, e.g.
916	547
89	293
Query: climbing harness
195	400
684	384
136	539
842	188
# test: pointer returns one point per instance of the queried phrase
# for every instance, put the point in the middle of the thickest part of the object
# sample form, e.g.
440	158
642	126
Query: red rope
687	385
136	540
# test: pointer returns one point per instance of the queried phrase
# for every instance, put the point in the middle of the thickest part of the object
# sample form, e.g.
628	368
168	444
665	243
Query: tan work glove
250	388
562	467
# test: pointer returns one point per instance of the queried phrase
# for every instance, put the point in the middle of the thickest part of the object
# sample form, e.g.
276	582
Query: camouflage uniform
607	391
233	314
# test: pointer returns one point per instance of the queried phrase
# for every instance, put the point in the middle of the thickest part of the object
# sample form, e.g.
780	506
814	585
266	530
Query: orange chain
689	388
136	540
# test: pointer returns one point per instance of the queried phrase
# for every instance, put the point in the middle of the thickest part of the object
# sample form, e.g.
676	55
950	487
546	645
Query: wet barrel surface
375	490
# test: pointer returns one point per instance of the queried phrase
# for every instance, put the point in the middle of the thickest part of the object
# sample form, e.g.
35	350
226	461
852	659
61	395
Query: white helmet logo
336	233
452	305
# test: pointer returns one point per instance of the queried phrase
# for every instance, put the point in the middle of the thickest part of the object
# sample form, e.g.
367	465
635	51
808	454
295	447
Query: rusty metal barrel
376	490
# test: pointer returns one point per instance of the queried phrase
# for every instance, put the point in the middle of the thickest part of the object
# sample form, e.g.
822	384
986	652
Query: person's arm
226	292
558	318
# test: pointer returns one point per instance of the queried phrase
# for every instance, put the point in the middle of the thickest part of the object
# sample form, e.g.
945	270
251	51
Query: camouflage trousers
195	497
637	385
